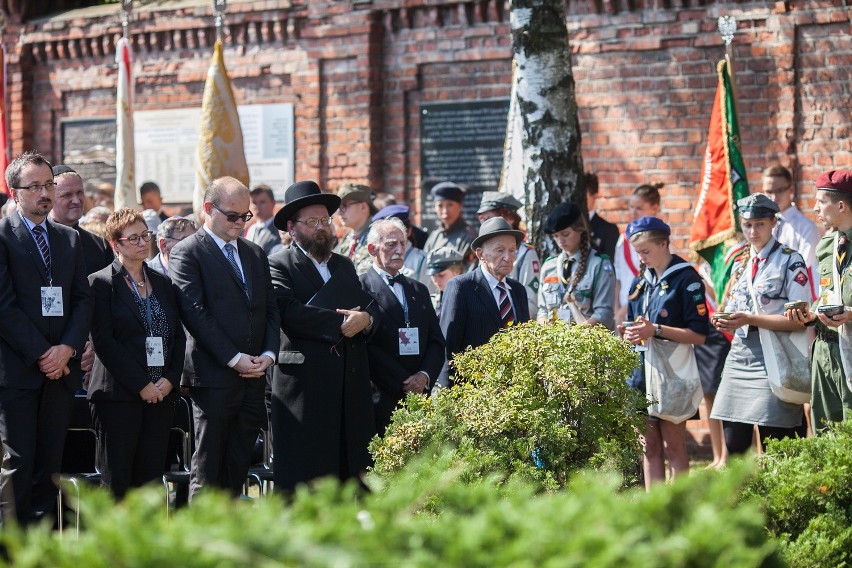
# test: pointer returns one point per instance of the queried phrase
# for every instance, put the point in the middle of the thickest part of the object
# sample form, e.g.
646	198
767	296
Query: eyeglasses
312	222
234	217
134	239
36	187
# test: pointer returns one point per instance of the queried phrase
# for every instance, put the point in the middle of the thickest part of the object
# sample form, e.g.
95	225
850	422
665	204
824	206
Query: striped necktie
840	254
505	306
567	266
229	254
38	233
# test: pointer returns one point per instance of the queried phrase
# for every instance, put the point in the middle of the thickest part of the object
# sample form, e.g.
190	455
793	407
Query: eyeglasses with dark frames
134	239
234	217
36	187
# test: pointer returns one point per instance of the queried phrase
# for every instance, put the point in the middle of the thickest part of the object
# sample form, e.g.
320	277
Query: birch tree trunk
552	166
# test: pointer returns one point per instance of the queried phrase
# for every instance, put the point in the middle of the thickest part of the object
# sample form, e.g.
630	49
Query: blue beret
448	190
647	224
563	216
398	211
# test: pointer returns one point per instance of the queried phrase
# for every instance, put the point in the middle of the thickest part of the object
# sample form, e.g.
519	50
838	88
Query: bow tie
398	279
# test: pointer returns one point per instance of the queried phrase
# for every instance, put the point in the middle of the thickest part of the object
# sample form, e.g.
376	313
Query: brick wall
357	72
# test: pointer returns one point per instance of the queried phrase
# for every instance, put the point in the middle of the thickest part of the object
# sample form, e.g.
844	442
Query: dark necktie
229	254
505	305
567	265
38	233
840	256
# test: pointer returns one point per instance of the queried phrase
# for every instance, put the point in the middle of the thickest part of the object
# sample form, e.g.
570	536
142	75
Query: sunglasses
234	217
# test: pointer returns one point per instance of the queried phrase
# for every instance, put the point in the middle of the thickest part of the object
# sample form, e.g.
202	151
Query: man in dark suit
97	254
322	409
478	304
407	350
604	235
45	311
228	306
262	232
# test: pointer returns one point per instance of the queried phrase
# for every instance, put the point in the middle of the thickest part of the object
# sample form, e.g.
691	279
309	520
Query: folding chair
80	459
177	467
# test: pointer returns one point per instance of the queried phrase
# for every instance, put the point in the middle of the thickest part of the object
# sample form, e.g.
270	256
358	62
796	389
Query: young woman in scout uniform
645	202
764	278
665	306
579	284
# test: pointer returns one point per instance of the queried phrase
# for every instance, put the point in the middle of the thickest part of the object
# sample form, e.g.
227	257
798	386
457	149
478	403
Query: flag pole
126	193
220	6
727	28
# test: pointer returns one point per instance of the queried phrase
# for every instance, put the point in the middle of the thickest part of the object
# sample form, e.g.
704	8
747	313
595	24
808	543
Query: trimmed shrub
805	487
540	401
489	522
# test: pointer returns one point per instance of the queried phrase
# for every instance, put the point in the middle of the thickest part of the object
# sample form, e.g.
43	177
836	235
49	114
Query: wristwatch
658	331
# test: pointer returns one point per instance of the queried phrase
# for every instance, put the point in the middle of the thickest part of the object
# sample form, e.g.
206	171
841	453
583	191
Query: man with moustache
227	304
406	352
322	410
45	311
478	304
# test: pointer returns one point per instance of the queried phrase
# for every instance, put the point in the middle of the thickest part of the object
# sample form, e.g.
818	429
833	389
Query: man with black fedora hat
322	409
454	230
478	304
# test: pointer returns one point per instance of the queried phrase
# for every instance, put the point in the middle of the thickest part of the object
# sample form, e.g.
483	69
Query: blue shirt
676	300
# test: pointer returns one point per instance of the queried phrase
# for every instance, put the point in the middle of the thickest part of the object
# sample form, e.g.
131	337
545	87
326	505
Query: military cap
357	192
400	212
441	259
492	200
757	206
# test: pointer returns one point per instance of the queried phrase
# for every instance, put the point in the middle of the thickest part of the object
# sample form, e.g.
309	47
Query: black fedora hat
494	227
300	195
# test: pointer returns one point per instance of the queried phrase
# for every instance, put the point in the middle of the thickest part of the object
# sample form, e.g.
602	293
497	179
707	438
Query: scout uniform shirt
593	296
354	247
830	395
526	271
459	235
676	299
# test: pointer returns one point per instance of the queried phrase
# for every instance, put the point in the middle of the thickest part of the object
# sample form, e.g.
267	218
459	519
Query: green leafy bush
489	522
805	487
540	401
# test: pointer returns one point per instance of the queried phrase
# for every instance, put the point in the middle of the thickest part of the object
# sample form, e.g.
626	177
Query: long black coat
322	412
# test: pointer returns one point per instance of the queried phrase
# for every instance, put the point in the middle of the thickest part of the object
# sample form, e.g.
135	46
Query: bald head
226	197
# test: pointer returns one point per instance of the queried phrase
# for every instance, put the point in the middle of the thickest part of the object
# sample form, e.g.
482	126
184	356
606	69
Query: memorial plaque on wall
88	146
461	142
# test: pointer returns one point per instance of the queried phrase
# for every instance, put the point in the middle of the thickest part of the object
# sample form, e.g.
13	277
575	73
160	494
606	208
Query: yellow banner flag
220	140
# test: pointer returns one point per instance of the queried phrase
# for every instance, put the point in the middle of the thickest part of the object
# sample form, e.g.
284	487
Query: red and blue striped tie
505	306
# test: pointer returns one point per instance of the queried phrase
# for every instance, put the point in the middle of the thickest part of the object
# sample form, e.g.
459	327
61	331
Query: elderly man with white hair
407	349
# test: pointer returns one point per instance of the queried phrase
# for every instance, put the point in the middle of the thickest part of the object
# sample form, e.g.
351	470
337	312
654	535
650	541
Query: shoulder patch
796	265
693	287
787	250
607	267
701	309
801	279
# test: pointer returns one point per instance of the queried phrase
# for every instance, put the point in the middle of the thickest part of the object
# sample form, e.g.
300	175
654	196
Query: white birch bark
551	163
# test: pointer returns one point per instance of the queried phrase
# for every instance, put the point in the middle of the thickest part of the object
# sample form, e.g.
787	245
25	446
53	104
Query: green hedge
539	401
420	516
805	488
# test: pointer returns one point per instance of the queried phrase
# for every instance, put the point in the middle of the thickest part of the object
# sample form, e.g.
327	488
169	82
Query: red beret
835	180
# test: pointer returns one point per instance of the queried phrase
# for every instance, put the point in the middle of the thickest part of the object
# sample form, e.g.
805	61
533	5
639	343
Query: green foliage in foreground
429	519
805	487
539	401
